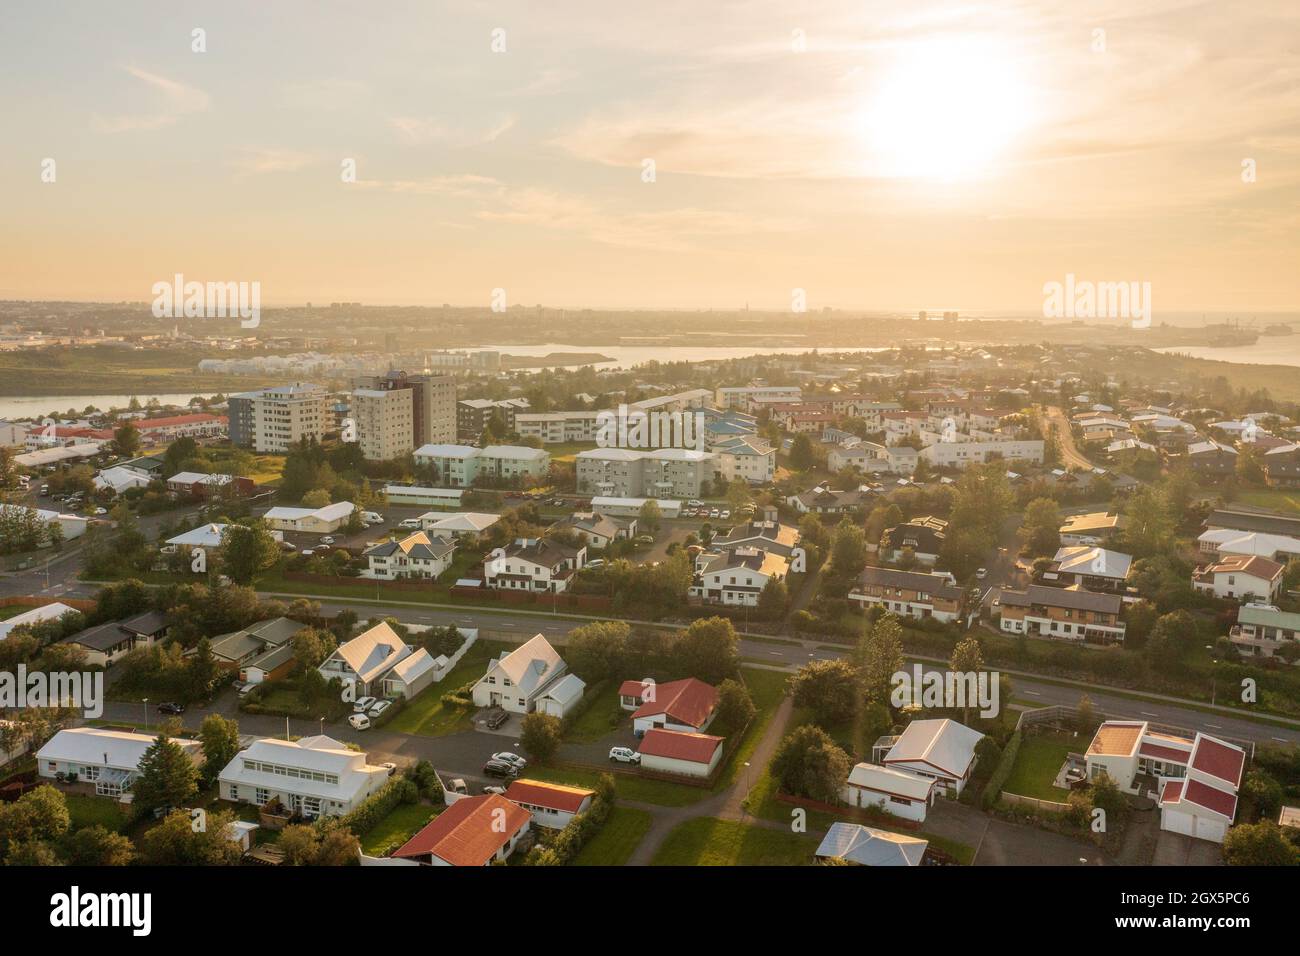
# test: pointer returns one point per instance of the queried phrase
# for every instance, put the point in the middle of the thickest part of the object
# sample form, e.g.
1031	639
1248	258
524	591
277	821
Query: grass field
1037	762
88	811
13	611
626	786
601	718
398	827
1277	499
617	840
708	842
427	715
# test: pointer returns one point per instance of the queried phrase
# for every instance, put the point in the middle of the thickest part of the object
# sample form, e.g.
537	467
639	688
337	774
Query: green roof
1267	616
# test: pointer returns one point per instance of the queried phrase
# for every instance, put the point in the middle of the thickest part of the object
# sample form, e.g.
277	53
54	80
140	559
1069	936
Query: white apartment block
460	466
385	422
275	419
749	458
743	396
960	454
655	473
554	428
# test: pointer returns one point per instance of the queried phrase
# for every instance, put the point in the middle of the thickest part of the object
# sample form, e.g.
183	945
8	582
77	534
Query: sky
702	154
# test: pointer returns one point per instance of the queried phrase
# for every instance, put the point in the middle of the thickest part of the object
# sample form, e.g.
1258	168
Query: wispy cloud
176	100
419	130
254	160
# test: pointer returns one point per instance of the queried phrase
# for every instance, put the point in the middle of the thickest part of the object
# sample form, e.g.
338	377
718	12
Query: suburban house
1224	541
915	594
1282	466
736	577
415	556
941	750
364	661
121	478
1069	613
1094	528
207	536
1196	780
687	705
1245	578
1262	630
105	644
110	759
828	501
1212	459
534	564
464	524
517	680
672	751
473	831
904	794
46	612
324	520
260	652
598	531
552	805
921	537
1091	568
198	485
866	846
769	535
315	776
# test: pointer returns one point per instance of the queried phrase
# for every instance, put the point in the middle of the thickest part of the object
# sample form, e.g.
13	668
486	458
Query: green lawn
427	715
1037	762
707	842
626	786
1277	499
398	827
12	611
87	811
617	840
601	718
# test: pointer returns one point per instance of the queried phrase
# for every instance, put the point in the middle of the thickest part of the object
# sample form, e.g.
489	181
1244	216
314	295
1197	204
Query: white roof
944	744
887	780
868	846
522	452
197	478
531	665
371	653
317	753
119	478
420	492
468	521
567	689
414	666
340	509
104	748
1082	559
47	612
447	451
204	536
1232	541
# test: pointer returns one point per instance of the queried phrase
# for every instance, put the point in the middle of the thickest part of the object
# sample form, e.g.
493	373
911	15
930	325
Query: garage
1194	809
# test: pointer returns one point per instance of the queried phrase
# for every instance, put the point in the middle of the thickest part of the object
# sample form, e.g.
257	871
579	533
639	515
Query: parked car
644	539
101	511
379	708
371	517
359	722
499	768
307	552
411	524
496	720
389	766
695	503
714	512
493	788
595	563
726	513
457	785
363	704
623	755
506	756
328	539
981	573
171	707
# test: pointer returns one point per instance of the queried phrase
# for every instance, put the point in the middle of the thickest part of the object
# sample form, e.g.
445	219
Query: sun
945	109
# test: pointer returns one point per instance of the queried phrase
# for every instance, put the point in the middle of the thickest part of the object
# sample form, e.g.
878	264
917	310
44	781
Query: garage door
1175	821
1207	829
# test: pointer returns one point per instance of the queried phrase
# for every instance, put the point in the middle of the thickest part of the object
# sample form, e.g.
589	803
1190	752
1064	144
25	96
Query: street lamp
145	703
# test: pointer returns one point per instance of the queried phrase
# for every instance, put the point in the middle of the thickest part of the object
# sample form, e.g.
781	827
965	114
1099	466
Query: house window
90	773
261	796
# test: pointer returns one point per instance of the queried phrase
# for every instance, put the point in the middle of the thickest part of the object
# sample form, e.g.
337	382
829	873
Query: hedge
998	779
568	843
380	804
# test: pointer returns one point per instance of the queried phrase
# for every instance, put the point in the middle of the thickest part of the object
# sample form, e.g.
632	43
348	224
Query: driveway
1175	849
999	843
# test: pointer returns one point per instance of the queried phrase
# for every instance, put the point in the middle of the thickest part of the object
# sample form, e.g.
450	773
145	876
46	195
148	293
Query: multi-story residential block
385	422
1241	577
746	395
961	454
473	415
656	473
460	466
910	593
554	428
275	419
752	459
1262	630
1064	613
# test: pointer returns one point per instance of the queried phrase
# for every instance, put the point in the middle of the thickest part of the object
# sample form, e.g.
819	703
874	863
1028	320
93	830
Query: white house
46	612
108	758
472	831
942	750
671	751
315	776
1241	577
121	478
904	794
460	525
534	564
552	805
737	576
686	705
416	556
365	660
324	520
867	846
516	680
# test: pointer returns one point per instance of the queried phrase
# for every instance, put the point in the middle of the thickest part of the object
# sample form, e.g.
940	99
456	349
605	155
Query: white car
981	573
359	722
101	511
623	755
307	552
364	704
726	513
506	756
695	503
372	518
379	708
410	524
328	539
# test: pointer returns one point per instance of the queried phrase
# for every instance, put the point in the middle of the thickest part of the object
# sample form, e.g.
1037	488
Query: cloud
420	130
254	160
178	99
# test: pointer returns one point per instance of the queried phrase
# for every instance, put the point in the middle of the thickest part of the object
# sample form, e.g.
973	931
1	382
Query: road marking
1282	739
1215	726
1033	693
1147	713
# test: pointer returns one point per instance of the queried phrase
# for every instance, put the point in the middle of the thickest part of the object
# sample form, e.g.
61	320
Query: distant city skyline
876	156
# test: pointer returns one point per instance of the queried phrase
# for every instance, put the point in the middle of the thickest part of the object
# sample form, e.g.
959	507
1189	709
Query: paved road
1071	457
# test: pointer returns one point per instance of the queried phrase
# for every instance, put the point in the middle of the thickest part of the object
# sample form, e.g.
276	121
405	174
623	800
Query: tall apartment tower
397	413
275	419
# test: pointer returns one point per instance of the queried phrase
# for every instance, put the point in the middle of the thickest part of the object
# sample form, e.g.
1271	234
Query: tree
1173	635
168	778
774	597
247	550
735	706
96	846
39	816
738	493
540	735
316	498
802	456
1040	529
1264	791
828	688
708	650
220	738
1259	844
595	651
126	439
848	548
809	764
175	842
649	516
880	657
967	658
311	646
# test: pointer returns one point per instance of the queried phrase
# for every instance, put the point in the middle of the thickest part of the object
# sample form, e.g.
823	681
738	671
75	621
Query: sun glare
945	110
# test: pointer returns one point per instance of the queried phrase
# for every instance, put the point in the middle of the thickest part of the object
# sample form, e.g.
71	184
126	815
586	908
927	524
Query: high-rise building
432	407
384	422
274	419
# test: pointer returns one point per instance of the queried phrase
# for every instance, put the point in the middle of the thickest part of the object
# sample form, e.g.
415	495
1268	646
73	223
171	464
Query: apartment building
384	418
961	454
1262	630
1063	613
460	466
473	415
275	419
656	473
915	594
554	428
752	459
745	396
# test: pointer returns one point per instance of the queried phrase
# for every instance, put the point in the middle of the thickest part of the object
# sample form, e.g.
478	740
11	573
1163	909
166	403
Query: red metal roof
464	834
688	701
1162	753
697	748
1172	792
1206	796
1218	759
631	688
553	795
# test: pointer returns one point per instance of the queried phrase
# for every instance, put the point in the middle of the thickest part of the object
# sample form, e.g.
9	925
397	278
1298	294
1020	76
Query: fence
1046	806
546	600
1062	714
